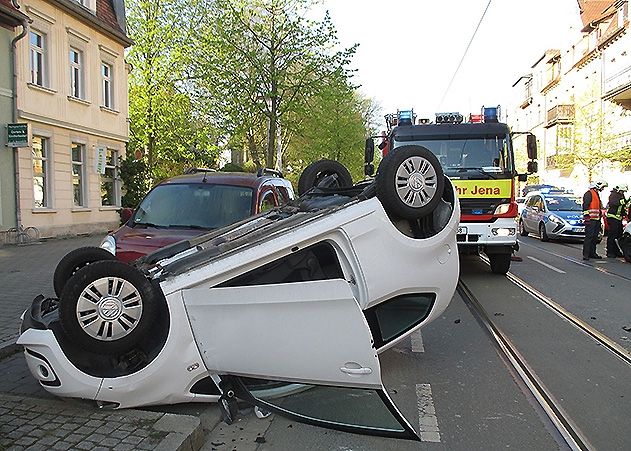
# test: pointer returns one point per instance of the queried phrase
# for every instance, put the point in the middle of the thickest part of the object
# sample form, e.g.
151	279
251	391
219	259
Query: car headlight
556	219
109	244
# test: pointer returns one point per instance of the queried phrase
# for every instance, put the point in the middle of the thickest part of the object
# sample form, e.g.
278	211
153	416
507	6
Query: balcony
617	88
560	114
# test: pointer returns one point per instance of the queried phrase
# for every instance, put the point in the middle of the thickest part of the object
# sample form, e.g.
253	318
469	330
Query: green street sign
17	135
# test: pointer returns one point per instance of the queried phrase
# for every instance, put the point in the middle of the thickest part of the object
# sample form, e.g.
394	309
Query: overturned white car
303	296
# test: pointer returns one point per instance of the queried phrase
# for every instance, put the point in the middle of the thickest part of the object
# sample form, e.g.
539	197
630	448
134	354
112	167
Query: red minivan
193	204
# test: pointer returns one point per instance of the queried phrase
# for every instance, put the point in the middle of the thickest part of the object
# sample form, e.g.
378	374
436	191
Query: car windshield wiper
480	170
149	224
191	226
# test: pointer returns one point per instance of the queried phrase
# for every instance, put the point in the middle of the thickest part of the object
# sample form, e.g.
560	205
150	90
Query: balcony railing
560	114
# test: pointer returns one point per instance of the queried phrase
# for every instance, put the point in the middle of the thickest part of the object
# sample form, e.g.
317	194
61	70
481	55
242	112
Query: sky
410	49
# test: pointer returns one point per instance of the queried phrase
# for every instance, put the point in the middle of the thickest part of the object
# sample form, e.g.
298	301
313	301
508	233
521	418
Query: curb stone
45	424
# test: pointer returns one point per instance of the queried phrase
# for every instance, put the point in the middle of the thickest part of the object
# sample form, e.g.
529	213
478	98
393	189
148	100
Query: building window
109	192
37	58
40	172
76	74
78	175
106	77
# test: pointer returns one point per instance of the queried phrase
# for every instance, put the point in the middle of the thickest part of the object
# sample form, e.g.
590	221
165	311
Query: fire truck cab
478	157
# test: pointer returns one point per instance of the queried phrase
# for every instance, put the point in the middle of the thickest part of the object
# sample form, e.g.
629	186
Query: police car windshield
564	203
487	154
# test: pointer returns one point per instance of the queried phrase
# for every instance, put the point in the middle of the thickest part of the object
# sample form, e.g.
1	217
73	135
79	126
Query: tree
334	127
592	140
266	59
166	127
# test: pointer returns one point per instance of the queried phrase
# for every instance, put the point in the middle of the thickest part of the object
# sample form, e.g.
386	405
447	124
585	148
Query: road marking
417	341
428	423
553	268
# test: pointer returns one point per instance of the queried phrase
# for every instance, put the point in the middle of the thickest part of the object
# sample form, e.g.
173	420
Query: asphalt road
452	384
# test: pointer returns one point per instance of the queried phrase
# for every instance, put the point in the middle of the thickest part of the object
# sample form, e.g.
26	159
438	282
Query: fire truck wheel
107	307
73	261
410	182
500	263
317	171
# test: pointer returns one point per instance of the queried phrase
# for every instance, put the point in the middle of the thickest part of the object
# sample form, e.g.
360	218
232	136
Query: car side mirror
532	167
522	177
369	156
126	214
531	146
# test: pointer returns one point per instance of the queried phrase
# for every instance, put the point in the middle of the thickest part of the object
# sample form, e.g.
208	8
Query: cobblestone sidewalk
25	272
42	424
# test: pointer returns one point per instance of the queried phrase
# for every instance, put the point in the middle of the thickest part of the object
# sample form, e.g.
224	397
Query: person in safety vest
616	210
592	213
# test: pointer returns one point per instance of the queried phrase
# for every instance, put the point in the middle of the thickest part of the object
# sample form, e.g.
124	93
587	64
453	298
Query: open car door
312	333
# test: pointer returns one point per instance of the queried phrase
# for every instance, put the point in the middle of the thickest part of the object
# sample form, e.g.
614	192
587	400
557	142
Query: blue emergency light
406	117
491	114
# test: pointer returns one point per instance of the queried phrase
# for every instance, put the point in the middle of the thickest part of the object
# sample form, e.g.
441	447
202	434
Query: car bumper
555	230
167	379
501	232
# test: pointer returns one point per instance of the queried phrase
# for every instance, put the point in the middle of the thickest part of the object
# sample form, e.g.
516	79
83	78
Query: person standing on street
592	214
616	209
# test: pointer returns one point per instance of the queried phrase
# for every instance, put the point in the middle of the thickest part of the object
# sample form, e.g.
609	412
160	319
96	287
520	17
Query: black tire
500	263
410	182
74	261
318	170
543	235
522	228
116	303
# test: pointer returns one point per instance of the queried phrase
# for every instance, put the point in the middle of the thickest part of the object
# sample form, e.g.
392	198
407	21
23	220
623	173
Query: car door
528	213
310	332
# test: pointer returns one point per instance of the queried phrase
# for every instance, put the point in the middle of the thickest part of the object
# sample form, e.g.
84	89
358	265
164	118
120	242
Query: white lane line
417	341
428	423
553	268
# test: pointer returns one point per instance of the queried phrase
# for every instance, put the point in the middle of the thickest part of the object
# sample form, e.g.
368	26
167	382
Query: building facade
72	93
579	96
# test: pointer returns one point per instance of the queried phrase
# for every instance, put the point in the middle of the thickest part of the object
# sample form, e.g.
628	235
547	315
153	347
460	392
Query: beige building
72	91
592	74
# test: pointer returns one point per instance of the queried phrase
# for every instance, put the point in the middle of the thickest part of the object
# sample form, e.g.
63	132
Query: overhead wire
463	56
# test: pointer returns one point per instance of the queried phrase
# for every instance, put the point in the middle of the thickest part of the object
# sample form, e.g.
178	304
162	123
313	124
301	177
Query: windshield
489	154
198	205
564	203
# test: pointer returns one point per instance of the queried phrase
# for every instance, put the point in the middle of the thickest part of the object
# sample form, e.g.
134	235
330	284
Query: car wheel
319	170
73	261
410	182
500	263
543	235
107	307
522	228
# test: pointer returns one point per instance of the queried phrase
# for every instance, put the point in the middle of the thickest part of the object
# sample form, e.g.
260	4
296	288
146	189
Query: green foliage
266	60
592	140
133	175
166	125
232	167
334	127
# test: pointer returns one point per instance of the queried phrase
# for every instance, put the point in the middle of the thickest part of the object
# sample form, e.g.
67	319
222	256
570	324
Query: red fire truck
478	157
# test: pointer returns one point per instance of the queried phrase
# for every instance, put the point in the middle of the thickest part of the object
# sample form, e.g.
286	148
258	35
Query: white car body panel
284	332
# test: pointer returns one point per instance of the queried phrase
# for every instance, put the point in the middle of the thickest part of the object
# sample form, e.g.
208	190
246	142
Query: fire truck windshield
487	155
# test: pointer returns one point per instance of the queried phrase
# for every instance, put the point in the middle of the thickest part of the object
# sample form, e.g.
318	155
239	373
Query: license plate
462	230
579	229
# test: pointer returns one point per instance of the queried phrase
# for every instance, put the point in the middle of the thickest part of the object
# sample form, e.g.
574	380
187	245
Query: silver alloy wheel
109	308
416	182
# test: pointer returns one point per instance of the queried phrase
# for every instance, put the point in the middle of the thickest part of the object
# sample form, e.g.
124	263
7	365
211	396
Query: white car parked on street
282	310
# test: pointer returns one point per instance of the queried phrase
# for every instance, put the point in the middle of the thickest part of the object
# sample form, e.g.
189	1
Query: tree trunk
271	134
